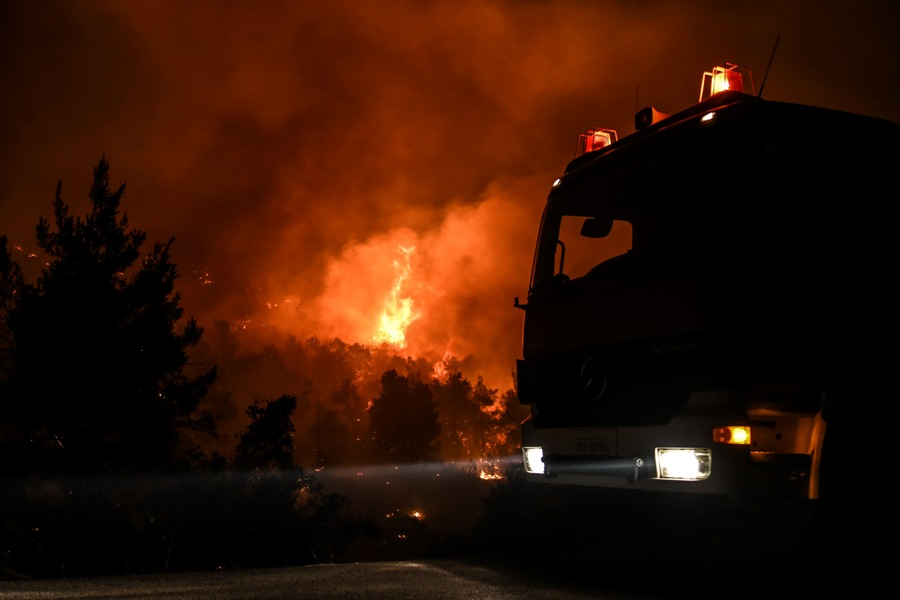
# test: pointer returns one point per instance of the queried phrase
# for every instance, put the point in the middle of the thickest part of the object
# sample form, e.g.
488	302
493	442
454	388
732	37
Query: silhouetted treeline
359	404
99	416
118	455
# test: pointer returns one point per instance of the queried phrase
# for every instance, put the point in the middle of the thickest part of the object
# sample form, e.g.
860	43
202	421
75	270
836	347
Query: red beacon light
724	79
595	139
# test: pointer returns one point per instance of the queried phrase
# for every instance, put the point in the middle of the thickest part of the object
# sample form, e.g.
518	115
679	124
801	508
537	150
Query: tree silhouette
11	281
268	442
404	419
337	428
460	418
94	369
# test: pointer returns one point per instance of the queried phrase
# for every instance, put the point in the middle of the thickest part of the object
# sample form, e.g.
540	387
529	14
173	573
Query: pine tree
268	442
404	420
95	351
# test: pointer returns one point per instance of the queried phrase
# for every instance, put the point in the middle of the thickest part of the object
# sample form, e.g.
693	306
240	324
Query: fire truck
703	298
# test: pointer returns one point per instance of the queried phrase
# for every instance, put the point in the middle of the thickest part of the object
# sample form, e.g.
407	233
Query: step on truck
704	296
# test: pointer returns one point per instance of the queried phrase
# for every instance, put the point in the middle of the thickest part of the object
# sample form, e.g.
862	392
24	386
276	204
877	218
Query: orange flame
441	369
490	470
398	311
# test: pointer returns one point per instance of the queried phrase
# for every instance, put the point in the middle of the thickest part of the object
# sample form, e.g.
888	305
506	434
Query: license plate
593	446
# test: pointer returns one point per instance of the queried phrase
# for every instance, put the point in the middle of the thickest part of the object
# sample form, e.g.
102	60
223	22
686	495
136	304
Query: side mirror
596	227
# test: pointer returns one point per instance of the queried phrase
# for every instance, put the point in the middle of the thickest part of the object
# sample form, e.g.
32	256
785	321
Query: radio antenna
771	58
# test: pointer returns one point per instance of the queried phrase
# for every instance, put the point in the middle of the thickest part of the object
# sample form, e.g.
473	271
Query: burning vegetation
116	404
399	311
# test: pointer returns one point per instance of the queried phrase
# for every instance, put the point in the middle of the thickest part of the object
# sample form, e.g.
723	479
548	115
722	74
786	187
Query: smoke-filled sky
308	156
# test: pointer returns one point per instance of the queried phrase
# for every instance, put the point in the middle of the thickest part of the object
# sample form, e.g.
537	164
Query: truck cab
703	296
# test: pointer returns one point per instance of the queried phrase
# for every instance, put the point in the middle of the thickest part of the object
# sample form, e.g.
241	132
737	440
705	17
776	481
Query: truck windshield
588	232
584	253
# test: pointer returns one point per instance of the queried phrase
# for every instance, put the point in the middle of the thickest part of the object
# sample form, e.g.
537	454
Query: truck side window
585	253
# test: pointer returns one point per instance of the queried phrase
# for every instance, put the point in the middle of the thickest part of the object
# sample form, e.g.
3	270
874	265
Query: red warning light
723	79
595	139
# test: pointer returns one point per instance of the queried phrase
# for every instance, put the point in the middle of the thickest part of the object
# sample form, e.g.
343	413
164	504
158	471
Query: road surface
407	580
733	568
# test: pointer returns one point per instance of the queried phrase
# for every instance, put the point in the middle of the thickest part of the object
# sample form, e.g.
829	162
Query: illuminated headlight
683	463
534	459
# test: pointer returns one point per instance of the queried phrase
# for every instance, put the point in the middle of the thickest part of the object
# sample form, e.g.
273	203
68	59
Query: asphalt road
515	578
769	564
413	580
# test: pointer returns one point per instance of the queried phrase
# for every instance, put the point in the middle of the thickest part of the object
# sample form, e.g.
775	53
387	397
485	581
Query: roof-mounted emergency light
723	79
594	139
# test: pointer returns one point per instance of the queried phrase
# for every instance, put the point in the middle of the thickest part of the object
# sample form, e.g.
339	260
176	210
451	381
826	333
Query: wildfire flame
398	311
441	370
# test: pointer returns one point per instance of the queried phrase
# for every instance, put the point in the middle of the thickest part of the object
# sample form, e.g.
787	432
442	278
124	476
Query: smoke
460	279
292	148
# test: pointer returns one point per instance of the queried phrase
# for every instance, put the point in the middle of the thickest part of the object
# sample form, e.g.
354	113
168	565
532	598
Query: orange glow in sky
230	127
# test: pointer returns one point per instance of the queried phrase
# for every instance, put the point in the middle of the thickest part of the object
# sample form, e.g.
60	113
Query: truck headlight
534	459
693	464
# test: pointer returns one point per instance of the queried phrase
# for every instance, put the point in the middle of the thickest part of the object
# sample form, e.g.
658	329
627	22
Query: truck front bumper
598	457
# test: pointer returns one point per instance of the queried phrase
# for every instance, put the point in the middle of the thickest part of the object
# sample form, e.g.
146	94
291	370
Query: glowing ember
490	471
398	311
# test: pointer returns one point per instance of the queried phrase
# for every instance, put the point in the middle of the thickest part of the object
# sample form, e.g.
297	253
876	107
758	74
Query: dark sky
294	149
